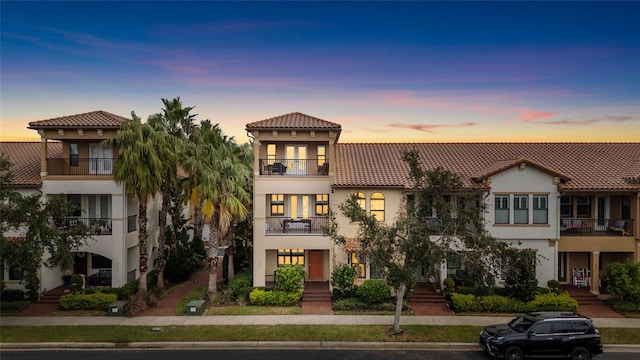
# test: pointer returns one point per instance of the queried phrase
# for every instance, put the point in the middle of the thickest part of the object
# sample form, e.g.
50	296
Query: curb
324	345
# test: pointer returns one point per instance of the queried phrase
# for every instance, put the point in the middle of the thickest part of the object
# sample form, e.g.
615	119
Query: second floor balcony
93	226
80	166
281	225
294	167
596	227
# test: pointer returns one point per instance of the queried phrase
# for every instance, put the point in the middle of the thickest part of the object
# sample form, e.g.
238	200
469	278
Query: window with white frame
502	209
540	209
520	209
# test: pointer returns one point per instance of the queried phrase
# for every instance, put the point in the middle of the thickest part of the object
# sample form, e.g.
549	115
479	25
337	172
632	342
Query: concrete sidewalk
280	320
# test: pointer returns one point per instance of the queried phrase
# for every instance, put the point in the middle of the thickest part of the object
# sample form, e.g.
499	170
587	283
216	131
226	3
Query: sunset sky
386	71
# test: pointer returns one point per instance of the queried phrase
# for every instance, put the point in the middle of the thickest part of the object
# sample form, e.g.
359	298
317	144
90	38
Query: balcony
281	225
294	167
595	227
80	166
94	226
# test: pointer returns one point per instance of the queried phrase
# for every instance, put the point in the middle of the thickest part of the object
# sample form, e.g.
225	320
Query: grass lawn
366	333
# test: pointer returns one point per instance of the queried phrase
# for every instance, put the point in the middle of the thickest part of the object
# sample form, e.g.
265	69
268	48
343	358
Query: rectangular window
277	204
271	154
75	204
540	209
626	207
584	206
566	206
322	154
357	260
290	257
74	155
520	209
502	209
322	204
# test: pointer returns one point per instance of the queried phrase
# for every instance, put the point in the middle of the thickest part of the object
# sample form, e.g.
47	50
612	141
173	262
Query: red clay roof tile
25	161
293	121
95	119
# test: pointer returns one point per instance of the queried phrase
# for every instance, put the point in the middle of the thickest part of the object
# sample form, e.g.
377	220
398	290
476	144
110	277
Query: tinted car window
579	326
560	327
543	328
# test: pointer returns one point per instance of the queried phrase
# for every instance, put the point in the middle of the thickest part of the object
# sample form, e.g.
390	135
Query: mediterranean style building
71	159
575	204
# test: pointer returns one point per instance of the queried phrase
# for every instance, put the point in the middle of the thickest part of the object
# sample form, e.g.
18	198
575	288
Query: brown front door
316	265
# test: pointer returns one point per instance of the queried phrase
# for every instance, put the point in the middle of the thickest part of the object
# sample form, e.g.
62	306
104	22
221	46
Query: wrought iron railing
80	166
94	226
596	227
277	225
294	167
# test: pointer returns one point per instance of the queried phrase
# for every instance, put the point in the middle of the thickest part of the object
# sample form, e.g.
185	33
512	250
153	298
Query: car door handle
549	338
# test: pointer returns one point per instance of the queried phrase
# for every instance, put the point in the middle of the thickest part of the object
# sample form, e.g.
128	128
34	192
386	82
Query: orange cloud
528	115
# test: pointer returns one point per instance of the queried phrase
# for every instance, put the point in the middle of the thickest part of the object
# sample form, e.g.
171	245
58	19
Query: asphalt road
308	354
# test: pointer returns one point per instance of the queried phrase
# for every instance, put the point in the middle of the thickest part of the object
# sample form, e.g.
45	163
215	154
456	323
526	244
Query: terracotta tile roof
95	119
25	160
502	165
589	166
292	121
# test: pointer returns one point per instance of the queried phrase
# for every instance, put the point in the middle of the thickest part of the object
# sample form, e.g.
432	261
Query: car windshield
521	324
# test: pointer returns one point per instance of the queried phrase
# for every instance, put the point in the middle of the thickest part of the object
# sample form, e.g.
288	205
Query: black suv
543	334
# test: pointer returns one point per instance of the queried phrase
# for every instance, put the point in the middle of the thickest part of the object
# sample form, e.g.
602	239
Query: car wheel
513	353
580	353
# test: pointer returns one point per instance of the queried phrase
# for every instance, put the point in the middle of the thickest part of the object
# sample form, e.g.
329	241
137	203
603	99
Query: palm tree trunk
162	235
212	258
399	299
231	273
143	245
197	220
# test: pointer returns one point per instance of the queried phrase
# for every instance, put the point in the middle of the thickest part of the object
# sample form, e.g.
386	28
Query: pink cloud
606	119
528	115
430	127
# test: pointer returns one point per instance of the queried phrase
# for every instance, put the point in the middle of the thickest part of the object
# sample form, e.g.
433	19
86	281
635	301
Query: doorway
316	265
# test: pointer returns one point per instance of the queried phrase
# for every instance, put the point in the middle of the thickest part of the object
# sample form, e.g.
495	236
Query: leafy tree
29	219
623	280
418	240
521	282
139	168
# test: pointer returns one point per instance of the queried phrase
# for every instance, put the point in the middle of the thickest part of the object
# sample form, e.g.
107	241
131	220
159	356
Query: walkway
589	304
167	305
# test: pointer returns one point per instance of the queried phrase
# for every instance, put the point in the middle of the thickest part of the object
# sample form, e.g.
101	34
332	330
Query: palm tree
139	169
221	177
175	122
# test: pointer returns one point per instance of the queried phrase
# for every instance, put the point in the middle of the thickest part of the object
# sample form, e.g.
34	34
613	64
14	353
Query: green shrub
542	291
12	295
10	307
622	306
240	286
342	278
463	302
623	279
552	302
498	303
374	291
97	301
521	283
263	297
449	284
290	278
554	285
77	282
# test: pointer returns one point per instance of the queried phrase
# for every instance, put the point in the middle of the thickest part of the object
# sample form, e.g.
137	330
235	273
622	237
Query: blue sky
386	71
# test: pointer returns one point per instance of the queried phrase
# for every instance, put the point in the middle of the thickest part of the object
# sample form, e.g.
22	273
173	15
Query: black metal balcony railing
80	166
595	227
278	225
295	167
94	226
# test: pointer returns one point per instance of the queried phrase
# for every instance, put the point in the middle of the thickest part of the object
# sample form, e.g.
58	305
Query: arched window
377	206
362	200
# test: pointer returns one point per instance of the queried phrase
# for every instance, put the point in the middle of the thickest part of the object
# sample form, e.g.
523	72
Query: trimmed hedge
97	301
9	307
12	295
497	303
240	286
374	291
264	297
